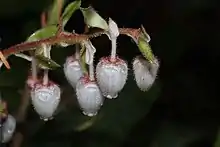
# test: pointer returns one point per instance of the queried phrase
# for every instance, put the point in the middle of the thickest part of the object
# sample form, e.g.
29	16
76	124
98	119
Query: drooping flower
111	76
112	71
145	72
45	99
89	96
8	128
72	70
88	93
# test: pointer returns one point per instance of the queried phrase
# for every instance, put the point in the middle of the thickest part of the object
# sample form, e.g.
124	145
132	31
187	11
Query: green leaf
43	33
145	48
69	10
53	14
93	19
46	63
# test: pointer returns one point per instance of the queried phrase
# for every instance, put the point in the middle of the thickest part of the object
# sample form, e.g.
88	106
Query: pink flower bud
145	72
45	99
72	70
8	128
89	96
111	76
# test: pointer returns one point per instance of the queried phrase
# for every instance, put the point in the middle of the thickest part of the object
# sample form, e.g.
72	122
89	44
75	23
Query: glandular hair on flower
89	96
145	72
111	76
45	99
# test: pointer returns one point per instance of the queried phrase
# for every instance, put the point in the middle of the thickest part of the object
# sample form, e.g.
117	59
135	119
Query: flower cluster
110	75
92	84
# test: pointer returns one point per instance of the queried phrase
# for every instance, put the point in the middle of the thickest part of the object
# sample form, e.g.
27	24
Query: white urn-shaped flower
45	99
112	71
8	128
111	76
145	72
89	96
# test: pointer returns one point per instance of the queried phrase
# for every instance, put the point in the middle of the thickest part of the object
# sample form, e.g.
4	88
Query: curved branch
63	37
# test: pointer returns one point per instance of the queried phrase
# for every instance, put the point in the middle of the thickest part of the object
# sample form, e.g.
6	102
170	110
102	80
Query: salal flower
88	93
111	76
72	70
145	72
89	96
112	71
8	128
45	99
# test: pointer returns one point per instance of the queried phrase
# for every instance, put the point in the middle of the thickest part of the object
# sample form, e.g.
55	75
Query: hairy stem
46	54
77	53
4	61
34	68
60	26
70	38
43	19
91	72
113	51
45	78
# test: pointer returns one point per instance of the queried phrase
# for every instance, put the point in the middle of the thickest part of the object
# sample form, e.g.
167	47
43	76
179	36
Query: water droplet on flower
90	114
111	96
45	119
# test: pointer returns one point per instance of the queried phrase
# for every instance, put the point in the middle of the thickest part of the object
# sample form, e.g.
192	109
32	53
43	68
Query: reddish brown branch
69	38
43	19
60	26
3	59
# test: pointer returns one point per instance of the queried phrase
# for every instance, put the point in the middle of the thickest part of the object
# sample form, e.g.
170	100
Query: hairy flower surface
111	76
45	99
72	70
145	72
89	96
8	128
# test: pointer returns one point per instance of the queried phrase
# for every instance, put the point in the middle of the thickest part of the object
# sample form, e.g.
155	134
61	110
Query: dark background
185	37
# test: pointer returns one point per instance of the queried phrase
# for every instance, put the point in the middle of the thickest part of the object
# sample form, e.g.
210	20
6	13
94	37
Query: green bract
69	10
145	48
93	19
